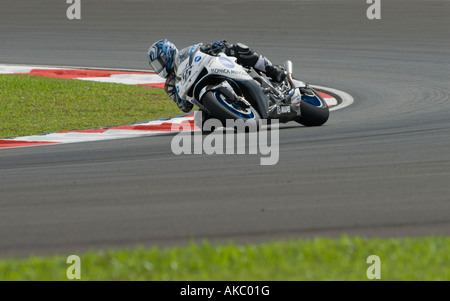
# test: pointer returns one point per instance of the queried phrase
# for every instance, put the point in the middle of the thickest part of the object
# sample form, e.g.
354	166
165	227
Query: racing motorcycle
223	89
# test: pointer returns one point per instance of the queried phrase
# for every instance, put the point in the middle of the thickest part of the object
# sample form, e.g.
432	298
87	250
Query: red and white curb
136	77
150	128
98	75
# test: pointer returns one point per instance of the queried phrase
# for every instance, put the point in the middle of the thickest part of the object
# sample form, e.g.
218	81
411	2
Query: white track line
346	98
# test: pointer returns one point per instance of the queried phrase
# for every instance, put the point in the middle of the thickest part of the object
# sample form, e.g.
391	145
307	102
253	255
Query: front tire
223	108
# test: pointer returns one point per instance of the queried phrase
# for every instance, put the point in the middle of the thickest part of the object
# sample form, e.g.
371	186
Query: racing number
186	74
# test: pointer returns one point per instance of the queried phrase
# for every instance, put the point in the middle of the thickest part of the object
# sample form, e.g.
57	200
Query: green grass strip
34	105
425	258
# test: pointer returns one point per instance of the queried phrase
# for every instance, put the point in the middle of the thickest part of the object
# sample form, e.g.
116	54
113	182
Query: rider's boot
247	57
306	91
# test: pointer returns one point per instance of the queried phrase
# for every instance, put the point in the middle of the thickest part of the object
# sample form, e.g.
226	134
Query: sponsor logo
226	62
283	109
197	59
227	71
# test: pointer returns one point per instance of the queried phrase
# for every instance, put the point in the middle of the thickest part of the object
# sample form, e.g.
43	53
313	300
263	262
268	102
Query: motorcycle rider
164	58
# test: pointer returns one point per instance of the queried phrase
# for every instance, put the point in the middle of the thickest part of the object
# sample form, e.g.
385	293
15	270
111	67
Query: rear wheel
314	111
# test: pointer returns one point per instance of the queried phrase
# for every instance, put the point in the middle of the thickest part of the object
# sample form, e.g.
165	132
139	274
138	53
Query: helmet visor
159	66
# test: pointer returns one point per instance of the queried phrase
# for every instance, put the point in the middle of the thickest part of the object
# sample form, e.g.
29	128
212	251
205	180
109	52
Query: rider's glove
219	45
215	48
170	89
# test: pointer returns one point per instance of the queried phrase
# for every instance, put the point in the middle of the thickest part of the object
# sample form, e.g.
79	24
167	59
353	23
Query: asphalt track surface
380	167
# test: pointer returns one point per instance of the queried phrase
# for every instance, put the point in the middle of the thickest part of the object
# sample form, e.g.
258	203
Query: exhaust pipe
288	67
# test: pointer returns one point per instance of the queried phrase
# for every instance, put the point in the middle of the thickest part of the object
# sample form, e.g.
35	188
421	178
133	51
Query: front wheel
314	111
223	108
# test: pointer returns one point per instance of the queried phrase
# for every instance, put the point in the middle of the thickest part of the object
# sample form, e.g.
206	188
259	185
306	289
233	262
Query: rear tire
313	115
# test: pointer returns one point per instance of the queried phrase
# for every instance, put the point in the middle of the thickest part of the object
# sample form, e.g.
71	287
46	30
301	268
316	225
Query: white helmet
161	56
